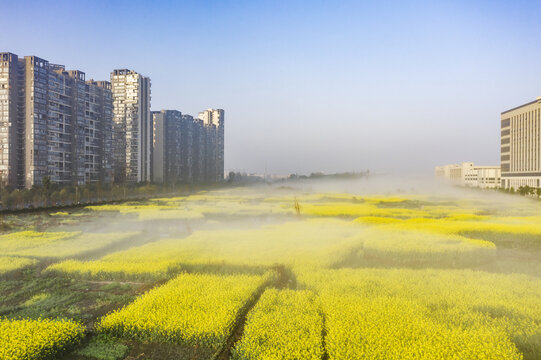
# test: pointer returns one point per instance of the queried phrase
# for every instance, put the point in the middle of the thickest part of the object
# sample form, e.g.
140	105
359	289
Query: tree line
524	191
50	194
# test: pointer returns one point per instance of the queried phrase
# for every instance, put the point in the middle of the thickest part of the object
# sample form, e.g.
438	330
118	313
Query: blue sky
392	86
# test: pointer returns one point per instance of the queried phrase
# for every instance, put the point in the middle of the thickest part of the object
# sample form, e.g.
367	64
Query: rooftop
538	99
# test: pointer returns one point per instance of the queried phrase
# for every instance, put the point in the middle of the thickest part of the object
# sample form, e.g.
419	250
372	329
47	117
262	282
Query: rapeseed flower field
308	274
57	244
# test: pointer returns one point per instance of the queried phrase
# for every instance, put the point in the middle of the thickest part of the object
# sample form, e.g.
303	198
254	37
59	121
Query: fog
259	226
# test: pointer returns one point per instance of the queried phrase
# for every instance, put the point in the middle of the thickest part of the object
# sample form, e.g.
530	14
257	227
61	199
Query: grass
103	347
34	296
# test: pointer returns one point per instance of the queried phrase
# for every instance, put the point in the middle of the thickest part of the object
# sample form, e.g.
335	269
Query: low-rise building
468	174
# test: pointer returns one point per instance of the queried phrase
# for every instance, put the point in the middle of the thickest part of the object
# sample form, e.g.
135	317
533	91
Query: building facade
132	126
468	174
520	149
57	124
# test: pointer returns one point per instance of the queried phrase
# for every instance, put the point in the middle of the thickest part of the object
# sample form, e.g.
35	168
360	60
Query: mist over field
299	268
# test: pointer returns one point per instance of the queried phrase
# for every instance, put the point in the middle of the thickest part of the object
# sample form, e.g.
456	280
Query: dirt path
283	281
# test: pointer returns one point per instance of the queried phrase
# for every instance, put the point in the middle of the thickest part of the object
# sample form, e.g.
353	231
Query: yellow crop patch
285	324
11	263
37	339
427	314
190	309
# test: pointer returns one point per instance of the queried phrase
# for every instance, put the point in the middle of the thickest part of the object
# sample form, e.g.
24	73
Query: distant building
186	130
520	149
54	124
468	174
187	150
166	146
132	132
214	122
198	151
99	133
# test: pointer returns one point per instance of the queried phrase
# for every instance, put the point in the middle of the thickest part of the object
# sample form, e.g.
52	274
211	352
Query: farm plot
198	206
57	244
11	263
196	310
204	251
505	231
311	242
428	314
37	339
285	324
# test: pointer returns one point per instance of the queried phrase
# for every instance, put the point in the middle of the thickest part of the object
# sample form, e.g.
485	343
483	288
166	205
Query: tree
46	187
4	198
525	190
17	197
86	195
99	190
53	198
64	195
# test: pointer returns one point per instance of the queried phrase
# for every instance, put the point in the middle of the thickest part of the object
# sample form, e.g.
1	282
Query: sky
396	87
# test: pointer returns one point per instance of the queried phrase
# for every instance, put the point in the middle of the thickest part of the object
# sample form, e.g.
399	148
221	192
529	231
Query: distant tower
132	133
214	121
166	163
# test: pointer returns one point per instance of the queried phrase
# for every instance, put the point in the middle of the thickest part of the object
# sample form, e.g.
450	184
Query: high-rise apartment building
198	151
185	149
186	130
210	154
132	133
68	124
99	134
57	125
214	122
166	146
11	120
520	149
